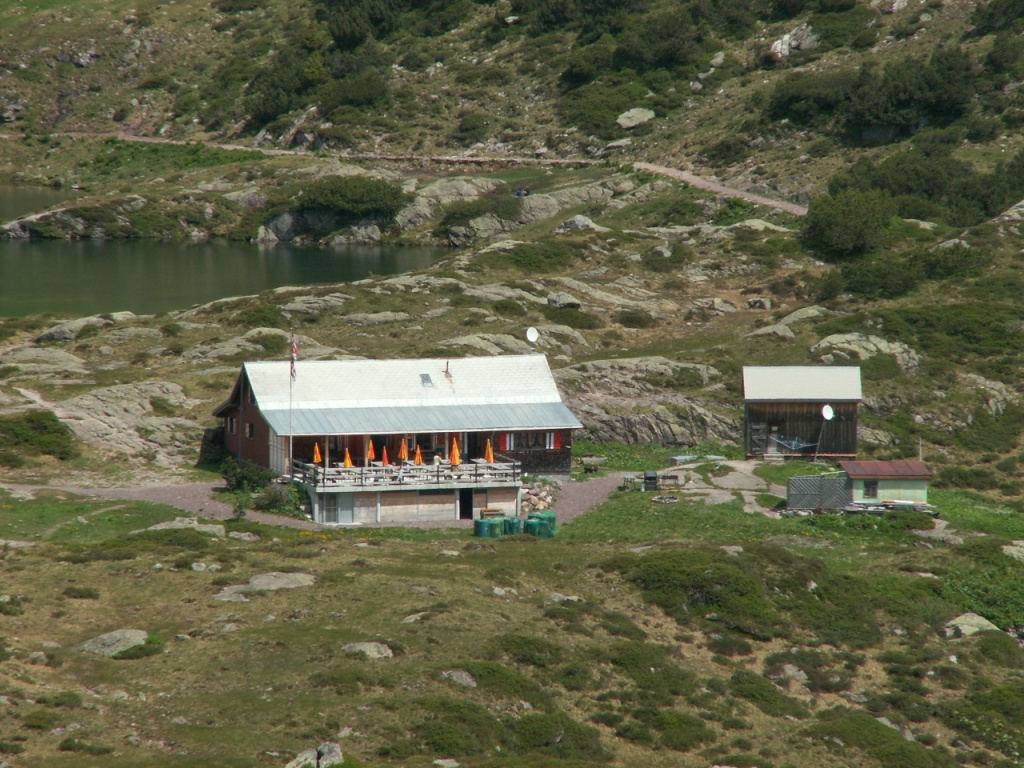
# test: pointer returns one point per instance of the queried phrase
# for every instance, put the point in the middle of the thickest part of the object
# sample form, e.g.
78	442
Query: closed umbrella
384	457
370	455
489	453
348	459
419	456
316	453
403	451
456	457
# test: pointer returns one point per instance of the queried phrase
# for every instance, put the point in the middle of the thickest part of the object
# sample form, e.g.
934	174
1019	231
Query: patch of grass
152	647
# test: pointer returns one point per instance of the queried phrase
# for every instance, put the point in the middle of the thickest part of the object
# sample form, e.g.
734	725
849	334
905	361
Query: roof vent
425	380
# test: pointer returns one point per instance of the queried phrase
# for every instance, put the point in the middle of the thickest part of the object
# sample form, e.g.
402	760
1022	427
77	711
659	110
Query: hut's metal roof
802	383
506	392
886	470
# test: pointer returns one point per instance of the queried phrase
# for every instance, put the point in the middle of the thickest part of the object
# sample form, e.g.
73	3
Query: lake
89	277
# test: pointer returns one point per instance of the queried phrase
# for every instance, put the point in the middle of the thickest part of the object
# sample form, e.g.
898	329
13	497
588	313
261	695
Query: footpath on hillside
573	499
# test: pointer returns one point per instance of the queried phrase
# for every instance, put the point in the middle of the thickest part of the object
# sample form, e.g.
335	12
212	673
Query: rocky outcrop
997	394
843	346
626	401
264	582
124	419
803	38
968	624
68	331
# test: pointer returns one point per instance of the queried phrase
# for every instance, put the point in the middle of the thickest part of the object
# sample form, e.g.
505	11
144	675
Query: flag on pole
295	353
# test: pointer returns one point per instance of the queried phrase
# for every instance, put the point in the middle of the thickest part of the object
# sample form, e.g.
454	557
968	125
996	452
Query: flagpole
291	382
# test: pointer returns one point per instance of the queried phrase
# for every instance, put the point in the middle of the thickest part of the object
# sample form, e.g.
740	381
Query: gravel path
572	500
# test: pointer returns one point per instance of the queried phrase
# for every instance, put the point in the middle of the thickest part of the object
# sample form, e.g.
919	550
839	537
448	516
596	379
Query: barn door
758	437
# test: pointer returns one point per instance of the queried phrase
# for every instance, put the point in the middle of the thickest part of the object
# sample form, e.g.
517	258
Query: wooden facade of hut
801	411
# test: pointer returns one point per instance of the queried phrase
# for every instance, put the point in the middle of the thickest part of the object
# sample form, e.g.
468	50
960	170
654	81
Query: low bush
573	318
71	744
82	593
765	695
38	432
152	647
729	645
636	318
247	477
527	649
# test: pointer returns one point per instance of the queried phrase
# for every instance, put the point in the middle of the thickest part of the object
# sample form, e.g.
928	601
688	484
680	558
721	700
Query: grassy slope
268	676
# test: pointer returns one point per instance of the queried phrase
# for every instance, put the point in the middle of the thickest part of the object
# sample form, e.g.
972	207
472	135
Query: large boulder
634	117
113	643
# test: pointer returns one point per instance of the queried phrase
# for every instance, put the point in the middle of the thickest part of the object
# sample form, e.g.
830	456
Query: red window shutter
558	440
503	441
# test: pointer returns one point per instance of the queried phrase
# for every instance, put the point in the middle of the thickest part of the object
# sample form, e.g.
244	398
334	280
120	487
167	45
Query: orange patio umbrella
317	458
419	456
370	455
384	457
403	451
348	458
489	453
456	457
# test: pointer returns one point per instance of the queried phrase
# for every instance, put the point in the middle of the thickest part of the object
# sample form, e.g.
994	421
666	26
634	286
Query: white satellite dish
827	413
532	334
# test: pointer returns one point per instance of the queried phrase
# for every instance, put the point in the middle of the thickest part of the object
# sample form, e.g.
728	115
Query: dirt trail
713	186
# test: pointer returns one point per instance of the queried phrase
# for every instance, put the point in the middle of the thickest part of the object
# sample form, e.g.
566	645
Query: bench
486	512
592	463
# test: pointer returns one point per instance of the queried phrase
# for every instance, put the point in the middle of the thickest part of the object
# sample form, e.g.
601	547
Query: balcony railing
406	475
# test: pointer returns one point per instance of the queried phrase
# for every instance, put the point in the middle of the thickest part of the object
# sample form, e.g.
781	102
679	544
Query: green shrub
574	318
999	649
680	732
729	645
557	735
11	748
71	744
354	198
82	593
527	649
848	223
650	667
151	647
636	318
764	695
508	308
14	606
38	432
286	500
248	477
260	316
40	720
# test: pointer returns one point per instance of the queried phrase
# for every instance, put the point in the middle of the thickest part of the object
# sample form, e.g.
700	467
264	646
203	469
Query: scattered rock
580	222
634	117
779	330
968	624
115	642
266	582
245	536
369	650
802	38
376	318
1015	550
459	677
178	523
759	302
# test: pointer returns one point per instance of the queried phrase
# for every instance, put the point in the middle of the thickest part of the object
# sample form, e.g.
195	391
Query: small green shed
887	481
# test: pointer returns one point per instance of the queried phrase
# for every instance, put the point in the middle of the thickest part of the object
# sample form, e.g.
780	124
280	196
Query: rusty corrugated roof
886	470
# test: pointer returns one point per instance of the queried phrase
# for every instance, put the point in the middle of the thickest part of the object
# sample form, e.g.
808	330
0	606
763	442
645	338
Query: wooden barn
800	411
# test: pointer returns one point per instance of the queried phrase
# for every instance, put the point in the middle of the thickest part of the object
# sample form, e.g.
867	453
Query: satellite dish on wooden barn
827	413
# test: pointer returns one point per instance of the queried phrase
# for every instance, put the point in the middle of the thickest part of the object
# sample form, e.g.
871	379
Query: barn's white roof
401	396
802	383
